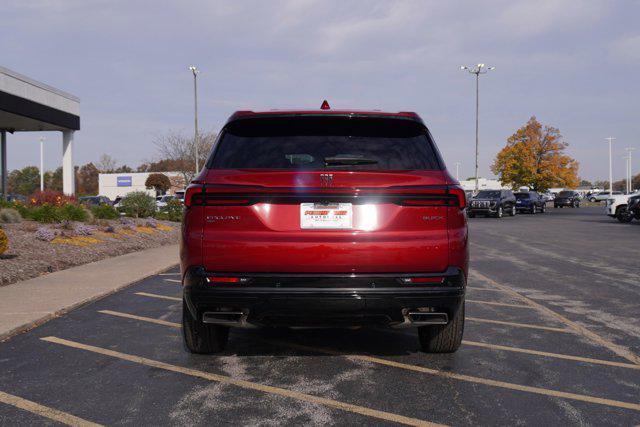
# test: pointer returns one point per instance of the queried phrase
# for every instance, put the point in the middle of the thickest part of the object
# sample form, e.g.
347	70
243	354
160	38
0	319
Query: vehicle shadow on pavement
310	342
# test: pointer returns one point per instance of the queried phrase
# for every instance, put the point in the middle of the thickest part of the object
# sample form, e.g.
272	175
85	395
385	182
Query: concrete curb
30	303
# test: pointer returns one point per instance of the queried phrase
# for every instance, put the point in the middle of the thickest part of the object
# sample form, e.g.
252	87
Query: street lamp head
491	68
194	69
480	65
464	67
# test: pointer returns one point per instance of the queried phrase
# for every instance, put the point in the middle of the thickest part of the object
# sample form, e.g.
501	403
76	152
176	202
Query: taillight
210	200
217	279
448	196
459	193
431	201
198	195
190	192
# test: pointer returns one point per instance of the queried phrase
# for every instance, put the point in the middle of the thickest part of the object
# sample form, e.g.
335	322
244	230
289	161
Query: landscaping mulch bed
28	257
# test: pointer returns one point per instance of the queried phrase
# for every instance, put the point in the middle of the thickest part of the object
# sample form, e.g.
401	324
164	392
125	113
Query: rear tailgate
398	222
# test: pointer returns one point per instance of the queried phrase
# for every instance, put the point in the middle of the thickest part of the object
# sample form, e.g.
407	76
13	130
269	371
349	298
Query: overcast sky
573	64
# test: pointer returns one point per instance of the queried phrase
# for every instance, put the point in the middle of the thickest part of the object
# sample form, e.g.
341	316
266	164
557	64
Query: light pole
195	72
477	70
629	170
458	171
42	163
610	139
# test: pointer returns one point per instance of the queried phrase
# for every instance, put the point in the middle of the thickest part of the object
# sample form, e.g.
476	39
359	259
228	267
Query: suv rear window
521	196
318	143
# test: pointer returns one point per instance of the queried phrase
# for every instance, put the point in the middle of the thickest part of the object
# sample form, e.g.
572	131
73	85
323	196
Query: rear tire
499	213
513	211
543	209
202	338
532	211
443	338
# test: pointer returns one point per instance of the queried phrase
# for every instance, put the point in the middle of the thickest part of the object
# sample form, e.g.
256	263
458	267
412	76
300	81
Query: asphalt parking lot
552	337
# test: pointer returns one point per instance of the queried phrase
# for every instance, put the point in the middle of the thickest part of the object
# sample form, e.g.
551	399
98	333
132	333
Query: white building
114	185
483	184
27	105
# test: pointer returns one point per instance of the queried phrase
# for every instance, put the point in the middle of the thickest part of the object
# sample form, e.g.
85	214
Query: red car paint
239	236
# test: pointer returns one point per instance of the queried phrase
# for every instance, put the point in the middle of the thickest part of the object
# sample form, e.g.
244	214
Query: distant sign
124	181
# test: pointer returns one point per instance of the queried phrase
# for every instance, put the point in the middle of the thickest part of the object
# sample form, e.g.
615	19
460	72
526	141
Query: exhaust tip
225	318
421	318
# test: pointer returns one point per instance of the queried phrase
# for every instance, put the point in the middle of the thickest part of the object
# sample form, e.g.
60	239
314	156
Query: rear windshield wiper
328	161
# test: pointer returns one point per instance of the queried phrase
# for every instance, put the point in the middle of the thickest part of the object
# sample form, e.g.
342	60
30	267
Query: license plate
326	216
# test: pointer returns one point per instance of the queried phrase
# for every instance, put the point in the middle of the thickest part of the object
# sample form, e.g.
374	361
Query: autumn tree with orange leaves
534	157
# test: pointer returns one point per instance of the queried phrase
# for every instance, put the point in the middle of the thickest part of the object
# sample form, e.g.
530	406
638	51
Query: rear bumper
489	210
563	202
325	300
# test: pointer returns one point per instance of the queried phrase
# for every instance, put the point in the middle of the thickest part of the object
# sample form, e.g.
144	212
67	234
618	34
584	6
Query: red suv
324	219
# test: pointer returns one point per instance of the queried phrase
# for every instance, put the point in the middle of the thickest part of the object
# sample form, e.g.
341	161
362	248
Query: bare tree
106	164
178	148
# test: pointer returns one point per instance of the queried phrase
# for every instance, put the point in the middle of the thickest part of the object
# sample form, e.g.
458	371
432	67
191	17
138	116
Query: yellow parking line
44	411
451	375
142	318
470	378
173	280
146	294
554	355
581	330
387	416
518	325
479	288
501	304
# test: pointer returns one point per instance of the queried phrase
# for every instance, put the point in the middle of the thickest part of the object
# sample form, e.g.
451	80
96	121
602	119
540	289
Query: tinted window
485	194
314	143
521	196
565	194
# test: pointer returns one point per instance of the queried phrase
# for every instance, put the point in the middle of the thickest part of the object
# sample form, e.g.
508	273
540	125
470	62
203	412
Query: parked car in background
530	202
492	203
180	195
324	219
618	207
161	201
634	206
14	198
567	198
548	196
603	196
94	200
